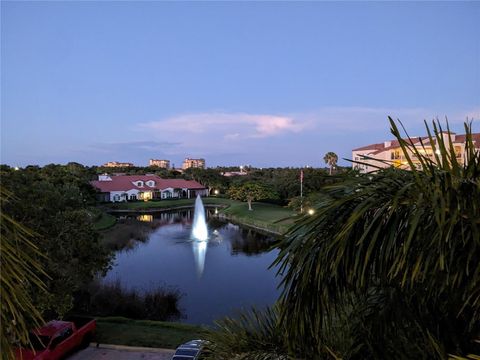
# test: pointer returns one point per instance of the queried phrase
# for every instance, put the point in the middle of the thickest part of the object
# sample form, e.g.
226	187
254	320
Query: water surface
235	270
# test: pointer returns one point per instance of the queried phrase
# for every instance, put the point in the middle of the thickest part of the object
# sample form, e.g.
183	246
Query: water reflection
199	253
145	218
247	241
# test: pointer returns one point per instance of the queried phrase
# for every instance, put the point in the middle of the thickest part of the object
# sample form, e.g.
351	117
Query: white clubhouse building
115	188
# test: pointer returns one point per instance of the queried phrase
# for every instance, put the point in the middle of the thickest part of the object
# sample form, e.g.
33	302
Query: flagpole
301	191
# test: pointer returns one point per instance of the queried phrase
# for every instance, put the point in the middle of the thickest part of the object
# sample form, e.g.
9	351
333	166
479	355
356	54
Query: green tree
331	159
53	202
210	178
19	277
250	192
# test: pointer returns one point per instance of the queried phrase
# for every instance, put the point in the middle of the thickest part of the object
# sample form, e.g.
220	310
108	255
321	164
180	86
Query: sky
257	83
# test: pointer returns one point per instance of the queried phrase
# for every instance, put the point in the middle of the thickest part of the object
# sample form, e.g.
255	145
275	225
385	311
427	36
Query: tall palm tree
20	273
331	159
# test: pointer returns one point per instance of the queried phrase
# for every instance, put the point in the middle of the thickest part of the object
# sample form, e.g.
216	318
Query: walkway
114	352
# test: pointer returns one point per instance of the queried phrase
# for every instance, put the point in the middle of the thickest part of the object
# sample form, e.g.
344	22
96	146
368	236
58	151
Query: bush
111	299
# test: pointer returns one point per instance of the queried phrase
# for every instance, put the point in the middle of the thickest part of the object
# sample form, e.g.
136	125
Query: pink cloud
228	125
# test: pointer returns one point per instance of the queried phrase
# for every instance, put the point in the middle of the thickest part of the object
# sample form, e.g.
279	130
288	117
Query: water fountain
199	235
199	228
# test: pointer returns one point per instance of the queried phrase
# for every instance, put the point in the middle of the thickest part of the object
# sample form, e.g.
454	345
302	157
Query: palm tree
20	274
388	267
331	159
399	251
255	335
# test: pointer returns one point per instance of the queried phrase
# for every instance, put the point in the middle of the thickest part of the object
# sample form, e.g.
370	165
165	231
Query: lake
229	273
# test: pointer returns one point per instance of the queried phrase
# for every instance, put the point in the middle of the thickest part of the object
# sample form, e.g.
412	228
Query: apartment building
389	153
159	163
193	163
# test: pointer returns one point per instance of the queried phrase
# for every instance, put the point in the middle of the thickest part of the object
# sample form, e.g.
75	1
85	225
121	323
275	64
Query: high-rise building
159	163
193	163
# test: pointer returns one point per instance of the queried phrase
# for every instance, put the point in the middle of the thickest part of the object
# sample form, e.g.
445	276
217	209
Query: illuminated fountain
199	235
199	229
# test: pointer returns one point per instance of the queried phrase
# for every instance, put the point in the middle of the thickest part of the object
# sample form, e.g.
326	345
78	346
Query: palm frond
413	231
254	334
19	273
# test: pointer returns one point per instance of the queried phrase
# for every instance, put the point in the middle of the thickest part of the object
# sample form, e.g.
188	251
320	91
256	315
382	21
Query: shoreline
161	209
273	230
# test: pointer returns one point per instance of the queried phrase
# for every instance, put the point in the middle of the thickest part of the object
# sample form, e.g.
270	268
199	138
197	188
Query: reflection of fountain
199	252
199	235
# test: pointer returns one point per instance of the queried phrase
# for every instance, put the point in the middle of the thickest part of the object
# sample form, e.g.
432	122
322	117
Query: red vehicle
57	339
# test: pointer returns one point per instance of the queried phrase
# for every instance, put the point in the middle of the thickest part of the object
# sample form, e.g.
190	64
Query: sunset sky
266	84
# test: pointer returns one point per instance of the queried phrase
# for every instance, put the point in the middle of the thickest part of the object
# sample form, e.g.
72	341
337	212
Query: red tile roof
371	147
127	182
180	184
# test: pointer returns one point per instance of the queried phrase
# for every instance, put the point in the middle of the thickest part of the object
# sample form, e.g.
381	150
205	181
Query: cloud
289	138
228	125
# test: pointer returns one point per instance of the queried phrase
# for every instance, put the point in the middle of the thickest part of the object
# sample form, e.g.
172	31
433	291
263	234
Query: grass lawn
123	331
104	222
263	215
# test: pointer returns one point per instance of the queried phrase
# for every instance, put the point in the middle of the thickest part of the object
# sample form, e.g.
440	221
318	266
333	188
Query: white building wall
168	193
133	192
369	165
116	196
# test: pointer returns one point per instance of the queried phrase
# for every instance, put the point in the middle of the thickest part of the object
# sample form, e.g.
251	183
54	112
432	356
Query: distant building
117	164
234	173
389	153
145	187
193	163
242	172
165	164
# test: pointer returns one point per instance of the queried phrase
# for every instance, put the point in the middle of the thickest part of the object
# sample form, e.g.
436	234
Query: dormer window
150	183
139	183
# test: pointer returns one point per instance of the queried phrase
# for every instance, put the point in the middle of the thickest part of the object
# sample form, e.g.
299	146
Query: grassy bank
104	221
122	331
265	216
